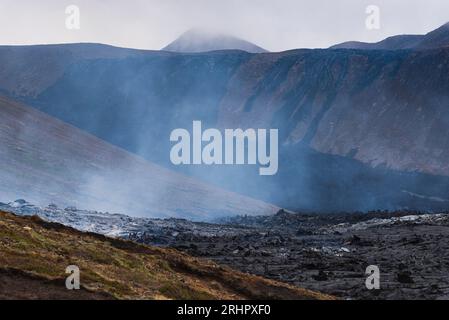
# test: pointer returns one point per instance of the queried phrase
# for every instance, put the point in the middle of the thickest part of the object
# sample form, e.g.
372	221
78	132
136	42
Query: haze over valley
358	129
252	150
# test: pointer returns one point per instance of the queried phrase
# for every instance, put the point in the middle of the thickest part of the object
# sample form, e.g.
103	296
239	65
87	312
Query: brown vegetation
34	255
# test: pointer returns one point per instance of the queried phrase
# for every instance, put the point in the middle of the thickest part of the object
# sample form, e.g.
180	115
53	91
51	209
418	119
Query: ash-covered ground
328	253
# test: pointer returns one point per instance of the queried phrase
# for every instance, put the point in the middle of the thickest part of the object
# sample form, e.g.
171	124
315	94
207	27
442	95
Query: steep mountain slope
359	129
197	40
327	98
35	255
379	107
48	161
390	43
27	70
438	38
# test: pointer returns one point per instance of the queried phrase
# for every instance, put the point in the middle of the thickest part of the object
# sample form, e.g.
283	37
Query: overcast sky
273	24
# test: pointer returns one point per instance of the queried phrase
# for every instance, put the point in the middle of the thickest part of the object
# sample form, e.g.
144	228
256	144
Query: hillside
28	74
435	39
49	161
35	254
325	98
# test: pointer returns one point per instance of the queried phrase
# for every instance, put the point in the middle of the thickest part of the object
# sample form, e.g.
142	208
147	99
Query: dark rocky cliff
356	126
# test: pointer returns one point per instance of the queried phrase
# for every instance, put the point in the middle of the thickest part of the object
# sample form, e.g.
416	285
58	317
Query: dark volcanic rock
330	255
321	276
405	277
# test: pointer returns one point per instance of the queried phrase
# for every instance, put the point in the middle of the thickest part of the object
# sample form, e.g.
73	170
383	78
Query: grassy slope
35	253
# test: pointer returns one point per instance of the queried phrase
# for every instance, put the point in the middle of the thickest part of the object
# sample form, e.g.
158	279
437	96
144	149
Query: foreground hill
52	162
35	255
327	253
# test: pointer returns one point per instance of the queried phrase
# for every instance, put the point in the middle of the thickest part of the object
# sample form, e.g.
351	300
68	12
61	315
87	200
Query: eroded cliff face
382	108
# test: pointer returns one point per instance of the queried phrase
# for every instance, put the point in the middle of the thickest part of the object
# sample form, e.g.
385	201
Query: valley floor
411	252
35	254
326	253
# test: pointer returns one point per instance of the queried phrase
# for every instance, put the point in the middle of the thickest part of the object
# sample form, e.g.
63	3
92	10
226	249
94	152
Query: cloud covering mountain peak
202	40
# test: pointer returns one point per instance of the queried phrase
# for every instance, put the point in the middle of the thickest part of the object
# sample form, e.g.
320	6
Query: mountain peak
202	40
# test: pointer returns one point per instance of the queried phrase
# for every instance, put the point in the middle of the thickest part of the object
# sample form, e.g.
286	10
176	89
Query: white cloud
275	25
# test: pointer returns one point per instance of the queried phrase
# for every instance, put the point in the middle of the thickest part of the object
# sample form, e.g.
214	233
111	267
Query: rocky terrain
332	253
328	253
35	254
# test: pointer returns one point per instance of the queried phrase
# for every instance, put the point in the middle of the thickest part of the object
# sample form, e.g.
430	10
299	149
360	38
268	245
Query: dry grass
123	269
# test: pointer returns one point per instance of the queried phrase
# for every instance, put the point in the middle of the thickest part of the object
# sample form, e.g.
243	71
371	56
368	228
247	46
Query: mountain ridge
376	117
438	38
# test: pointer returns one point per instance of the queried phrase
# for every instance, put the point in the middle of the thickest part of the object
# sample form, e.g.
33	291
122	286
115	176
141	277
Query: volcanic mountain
49	161
198	40
438	38
358	129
